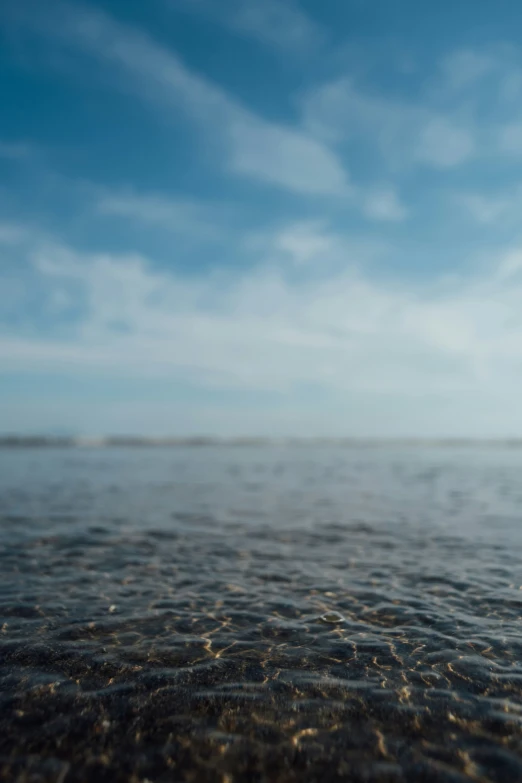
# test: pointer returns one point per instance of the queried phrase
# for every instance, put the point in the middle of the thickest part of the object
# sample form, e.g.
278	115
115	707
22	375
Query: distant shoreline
117	441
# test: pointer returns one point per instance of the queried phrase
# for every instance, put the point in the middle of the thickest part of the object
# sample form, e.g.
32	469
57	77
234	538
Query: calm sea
271	613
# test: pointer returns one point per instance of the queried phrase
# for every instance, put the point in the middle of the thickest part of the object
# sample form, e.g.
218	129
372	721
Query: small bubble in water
332	617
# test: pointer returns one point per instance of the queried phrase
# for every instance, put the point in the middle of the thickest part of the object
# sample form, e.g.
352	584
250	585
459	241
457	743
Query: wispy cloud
11	233
510	138
304	242
493	209
279	24
443	144
339	330
384	204
180	216
467	109
267	152
14	150
464	68
405	133
285	157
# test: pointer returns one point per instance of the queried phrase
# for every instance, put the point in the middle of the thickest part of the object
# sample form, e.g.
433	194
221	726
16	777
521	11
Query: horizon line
12	440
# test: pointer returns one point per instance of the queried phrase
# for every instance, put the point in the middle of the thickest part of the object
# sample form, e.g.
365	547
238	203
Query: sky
261	217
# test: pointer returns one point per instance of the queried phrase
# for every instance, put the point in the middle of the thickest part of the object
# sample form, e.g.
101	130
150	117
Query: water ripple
208	645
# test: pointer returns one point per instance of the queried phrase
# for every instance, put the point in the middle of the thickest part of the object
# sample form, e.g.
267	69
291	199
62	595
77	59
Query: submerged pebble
333	617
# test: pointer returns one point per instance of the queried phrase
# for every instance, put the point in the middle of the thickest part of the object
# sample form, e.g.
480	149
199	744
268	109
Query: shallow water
266	614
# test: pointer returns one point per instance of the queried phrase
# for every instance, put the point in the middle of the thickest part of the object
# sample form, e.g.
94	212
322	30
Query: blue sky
254	217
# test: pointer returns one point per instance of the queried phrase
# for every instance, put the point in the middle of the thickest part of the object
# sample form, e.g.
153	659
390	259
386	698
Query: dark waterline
275	614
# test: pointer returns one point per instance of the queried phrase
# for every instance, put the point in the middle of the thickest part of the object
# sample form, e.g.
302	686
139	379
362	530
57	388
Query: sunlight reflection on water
275	613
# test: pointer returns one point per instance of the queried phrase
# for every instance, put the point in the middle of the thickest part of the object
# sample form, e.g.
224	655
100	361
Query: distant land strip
10	441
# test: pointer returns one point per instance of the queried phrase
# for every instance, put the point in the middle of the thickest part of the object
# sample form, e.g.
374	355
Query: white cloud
337	110
280	24
406	133
384	204
176	215
511	266
277	22
268	152
443	144
510	138
467	109
339	330
490	75
304	242
493	208
485	209
286	157
464	68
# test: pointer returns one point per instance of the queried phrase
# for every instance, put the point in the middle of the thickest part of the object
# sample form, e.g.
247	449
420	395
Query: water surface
268	614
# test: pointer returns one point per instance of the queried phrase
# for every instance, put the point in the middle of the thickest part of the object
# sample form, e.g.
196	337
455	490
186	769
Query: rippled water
261	614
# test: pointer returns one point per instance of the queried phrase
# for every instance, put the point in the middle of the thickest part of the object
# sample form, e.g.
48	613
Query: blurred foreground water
276	613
